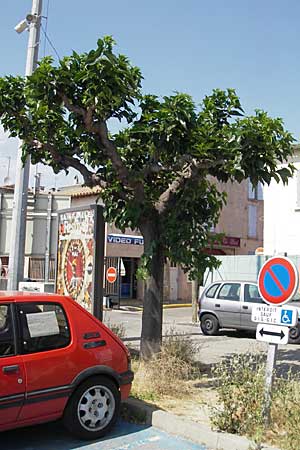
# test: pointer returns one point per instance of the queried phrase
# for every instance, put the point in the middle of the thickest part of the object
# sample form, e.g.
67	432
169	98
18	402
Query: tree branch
99	128
190	171
91	178
71	107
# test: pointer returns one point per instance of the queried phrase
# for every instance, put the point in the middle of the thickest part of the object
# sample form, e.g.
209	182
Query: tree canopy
158	173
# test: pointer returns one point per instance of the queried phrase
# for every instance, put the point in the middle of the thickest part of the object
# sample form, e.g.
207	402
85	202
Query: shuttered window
255	192
252	221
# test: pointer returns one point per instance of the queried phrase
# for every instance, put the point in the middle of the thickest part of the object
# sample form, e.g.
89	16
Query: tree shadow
52	436
288	361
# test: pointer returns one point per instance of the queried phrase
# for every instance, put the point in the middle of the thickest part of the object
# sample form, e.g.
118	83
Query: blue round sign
278	281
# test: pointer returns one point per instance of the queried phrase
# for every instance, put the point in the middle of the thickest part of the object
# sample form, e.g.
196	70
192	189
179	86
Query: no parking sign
277	284
278	281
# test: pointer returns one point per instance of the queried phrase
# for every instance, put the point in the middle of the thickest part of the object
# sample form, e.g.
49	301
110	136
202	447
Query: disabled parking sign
286	317
278	282
275	315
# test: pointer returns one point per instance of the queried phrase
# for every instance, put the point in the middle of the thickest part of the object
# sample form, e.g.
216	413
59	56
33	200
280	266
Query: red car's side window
7	341
43	327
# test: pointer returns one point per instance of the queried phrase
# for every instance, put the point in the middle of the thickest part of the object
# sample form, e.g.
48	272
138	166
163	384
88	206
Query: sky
188	46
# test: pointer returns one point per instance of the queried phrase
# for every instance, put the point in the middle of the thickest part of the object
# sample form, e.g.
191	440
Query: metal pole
48	237
19	214
271	361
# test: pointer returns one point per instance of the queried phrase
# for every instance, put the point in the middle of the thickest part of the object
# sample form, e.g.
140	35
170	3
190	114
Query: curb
177	305
193	431
171	305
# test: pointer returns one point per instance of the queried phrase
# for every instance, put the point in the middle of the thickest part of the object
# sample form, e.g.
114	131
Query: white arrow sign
272	333
275	315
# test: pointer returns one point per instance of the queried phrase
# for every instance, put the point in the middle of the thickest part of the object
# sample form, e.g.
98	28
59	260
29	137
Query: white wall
282	217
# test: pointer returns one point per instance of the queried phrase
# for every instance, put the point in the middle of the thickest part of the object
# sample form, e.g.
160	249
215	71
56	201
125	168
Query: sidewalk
137	305
197	432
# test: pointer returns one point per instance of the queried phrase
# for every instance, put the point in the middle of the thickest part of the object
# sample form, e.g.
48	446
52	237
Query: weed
116	328
241	386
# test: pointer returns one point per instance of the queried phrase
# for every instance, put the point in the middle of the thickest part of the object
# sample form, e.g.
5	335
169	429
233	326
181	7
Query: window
230	291
251	294
298	188
43	326
7	343
3	266
211	292
255	192
36	269
52	269
252	221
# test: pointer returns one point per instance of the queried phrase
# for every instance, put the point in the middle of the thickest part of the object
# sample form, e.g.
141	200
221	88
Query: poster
76	255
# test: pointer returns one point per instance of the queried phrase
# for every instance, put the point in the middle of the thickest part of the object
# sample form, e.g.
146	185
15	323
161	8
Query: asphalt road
211	349
125	436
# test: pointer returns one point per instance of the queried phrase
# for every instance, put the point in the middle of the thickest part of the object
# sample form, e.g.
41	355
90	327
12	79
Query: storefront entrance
128	281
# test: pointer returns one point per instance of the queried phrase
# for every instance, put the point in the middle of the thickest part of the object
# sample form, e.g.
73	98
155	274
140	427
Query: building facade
41	232
282	214
241	223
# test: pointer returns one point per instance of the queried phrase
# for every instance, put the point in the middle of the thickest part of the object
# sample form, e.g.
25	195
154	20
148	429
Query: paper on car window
42	324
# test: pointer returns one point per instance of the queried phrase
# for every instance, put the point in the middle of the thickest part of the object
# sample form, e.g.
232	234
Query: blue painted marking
270	286
286	316
282	275
125	436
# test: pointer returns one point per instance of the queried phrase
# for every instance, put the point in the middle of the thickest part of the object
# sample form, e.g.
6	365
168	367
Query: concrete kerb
196	432
166	306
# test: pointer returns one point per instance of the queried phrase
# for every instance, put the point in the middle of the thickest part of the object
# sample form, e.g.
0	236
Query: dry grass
168	372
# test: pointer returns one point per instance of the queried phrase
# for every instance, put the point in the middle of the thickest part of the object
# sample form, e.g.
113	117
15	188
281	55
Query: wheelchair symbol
286	317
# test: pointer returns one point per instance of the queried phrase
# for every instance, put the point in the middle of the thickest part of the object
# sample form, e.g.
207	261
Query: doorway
129	281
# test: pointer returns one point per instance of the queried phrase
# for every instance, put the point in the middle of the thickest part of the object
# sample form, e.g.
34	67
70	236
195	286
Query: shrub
240	383
167	372
240	386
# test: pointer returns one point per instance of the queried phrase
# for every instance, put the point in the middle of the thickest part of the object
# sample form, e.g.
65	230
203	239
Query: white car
228	304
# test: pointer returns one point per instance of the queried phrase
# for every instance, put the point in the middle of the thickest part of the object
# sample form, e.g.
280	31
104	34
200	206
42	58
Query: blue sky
190	46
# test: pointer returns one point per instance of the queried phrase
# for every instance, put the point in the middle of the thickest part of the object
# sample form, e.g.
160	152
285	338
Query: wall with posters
80	255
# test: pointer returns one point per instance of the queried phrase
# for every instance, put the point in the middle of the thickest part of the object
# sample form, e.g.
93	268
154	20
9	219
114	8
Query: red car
57	360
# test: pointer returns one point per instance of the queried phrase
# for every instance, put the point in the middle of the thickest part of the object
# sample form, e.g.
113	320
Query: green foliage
159	173
240	386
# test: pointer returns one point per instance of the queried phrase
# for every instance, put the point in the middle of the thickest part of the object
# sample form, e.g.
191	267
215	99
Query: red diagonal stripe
276	281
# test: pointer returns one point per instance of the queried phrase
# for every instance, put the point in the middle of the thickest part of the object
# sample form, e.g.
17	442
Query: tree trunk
194	301
151	336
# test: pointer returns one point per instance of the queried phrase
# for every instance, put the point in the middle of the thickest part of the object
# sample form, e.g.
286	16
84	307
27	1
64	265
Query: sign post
277	284
271	361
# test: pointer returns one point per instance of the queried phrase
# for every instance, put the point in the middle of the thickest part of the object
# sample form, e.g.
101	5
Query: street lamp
18	226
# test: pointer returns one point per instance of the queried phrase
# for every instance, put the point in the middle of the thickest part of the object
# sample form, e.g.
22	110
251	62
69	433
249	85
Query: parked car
59	361
228	304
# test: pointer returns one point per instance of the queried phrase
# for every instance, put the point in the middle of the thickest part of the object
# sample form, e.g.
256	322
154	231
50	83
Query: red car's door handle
10	369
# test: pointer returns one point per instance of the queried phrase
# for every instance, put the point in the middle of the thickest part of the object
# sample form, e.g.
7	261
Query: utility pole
19	214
